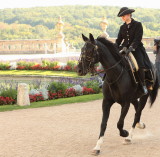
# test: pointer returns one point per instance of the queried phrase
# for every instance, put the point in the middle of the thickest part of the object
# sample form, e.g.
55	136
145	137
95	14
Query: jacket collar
130	24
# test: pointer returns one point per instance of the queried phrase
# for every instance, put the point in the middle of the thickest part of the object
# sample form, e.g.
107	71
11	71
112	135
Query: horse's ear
85	38
91	38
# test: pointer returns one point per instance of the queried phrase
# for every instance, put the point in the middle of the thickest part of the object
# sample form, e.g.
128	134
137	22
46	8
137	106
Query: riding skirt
142	58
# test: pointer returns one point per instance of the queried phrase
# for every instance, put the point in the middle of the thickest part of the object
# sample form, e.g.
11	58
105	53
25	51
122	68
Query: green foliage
49	63
40	22
92	84
4	66
56	87
12	93
72	64
26	64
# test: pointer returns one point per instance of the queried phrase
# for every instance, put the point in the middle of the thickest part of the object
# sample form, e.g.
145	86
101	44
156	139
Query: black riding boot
141	74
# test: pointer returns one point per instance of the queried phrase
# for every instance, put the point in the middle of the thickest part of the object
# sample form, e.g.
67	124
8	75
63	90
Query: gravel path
72	131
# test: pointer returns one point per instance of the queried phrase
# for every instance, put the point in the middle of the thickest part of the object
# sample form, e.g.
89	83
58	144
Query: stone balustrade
148	43
36	46
49	46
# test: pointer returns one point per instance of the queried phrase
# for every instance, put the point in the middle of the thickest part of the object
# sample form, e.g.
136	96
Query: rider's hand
130	49
123	51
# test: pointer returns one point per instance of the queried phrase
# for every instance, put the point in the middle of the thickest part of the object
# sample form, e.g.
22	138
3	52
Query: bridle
92	61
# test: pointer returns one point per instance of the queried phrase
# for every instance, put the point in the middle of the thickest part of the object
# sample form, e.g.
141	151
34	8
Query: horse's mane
111	47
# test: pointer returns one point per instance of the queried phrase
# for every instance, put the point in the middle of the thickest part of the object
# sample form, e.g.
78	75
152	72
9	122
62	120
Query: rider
130	36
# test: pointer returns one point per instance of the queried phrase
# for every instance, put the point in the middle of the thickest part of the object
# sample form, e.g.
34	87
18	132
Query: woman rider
130	36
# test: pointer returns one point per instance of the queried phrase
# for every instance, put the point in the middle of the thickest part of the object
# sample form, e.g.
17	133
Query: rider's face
126	18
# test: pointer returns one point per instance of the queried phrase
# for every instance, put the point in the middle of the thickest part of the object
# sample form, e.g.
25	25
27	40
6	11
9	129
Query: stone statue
60	44
60	25
103	25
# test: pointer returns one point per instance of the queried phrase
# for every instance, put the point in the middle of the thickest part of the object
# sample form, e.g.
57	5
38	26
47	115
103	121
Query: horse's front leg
106	105
120	124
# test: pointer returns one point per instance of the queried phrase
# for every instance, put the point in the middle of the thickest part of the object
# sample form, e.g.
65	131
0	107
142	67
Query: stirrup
145	91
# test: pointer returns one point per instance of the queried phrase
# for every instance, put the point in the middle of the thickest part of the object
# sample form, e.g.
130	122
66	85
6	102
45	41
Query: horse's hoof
124	133
144	126
127	141
95	152
141	125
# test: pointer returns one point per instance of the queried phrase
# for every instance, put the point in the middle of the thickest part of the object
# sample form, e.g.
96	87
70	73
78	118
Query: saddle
133	65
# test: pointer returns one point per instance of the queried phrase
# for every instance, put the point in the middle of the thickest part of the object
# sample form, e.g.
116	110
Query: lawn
77	99
40	72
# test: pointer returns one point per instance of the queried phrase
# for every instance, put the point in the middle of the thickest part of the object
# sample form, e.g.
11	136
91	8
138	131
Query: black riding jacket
130	35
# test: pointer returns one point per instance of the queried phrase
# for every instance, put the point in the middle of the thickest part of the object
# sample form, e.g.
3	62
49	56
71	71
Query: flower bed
52	91
44	65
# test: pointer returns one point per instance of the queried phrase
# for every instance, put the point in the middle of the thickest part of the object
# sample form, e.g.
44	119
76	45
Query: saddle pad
132	62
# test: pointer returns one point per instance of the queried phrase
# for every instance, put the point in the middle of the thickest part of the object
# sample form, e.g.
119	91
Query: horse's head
89	56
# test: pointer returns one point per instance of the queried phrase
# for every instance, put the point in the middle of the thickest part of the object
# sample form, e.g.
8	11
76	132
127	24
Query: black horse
118	85
157	52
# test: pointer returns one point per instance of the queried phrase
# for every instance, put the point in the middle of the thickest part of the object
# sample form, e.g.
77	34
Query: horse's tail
154	92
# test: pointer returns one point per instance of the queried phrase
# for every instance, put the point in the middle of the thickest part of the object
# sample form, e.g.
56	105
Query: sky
42	3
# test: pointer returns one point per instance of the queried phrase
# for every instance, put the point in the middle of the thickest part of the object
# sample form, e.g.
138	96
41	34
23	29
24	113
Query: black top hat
124	11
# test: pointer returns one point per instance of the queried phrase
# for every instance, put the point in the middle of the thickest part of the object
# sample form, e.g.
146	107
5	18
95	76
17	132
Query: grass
77	99
40	72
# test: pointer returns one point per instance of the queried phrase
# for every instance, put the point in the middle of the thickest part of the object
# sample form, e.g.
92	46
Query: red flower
21	67
36	67
36	97
88	91
57	67
70	92
6	100
52	95
67	67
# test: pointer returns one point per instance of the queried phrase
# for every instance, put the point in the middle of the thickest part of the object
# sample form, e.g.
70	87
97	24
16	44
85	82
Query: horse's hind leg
136	104
120	124
142	103
106	105
139	106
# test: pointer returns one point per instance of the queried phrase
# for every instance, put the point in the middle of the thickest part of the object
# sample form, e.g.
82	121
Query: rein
110	83
114	65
